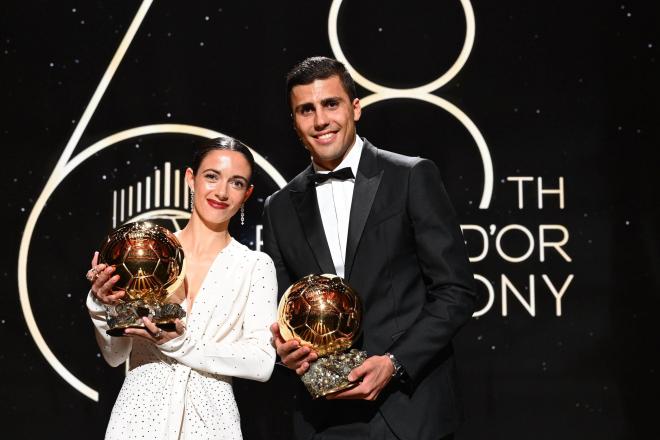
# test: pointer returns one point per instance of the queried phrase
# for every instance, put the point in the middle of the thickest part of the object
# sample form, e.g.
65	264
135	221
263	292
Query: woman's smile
217	205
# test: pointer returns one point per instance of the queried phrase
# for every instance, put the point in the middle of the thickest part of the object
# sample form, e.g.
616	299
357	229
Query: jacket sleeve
251	356
440	247
272	248
115	350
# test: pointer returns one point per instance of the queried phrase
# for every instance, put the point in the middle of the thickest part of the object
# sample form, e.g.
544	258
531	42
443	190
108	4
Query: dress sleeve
115	350
251	356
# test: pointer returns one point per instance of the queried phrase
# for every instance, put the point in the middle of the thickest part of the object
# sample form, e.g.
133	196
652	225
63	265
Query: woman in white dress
180	382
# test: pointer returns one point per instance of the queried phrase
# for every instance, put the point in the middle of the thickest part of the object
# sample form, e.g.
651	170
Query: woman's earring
242	215
192	200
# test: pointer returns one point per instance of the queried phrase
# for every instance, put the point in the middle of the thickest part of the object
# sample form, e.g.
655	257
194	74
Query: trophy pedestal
130	314
329	374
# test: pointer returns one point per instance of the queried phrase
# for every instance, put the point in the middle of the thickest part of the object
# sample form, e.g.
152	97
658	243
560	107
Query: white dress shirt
334	199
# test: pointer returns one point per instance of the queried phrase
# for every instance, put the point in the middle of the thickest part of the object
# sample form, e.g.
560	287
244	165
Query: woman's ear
190	179
248	193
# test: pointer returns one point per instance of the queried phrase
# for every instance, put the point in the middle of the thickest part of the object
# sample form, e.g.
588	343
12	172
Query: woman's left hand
155	334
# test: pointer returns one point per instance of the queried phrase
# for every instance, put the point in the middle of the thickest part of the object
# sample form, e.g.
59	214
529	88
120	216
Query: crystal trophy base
129	315
329	374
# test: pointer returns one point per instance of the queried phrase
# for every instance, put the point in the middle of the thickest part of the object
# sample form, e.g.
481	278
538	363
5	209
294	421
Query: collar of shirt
334	198
351	160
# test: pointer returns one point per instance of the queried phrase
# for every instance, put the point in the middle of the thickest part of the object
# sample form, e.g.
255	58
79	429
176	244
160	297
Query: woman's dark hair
313	68
221	143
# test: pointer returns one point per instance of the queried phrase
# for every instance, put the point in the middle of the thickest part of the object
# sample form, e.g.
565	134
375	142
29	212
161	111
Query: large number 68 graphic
424	92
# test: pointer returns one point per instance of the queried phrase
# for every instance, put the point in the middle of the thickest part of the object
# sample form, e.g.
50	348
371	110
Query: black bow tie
342	174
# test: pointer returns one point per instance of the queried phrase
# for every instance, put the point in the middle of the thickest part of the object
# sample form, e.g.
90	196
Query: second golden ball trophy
149	261
325	313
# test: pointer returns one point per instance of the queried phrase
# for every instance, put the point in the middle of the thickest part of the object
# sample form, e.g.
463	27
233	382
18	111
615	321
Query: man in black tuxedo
383	222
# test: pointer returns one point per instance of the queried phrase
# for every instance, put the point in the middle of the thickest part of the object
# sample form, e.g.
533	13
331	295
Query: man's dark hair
313	68
221	143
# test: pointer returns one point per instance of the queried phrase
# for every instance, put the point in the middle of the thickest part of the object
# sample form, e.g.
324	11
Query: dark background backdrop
556	88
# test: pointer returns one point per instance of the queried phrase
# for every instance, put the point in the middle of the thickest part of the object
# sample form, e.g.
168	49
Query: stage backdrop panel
541	116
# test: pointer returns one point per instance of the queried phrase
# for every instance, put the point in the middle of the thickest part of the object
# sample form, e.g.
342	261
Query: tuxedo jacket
406	259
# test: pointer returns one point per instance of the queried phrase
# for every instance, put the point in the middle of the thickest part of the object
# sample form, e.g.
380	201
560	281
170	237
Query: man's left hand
374	374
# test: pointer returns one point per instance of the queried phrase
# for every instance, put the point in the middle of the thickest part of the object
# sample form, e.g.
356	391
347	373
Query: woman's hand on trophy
155	334
293	355
103	280
373	375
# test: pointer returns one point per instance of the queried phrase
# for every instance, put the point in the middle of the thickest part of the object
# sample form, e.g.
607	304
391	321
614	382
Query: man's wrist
398	367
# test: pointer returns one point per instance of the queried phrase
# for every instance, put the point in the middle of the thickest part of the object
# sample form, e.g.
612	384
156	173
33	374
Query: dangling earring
242	215
192	200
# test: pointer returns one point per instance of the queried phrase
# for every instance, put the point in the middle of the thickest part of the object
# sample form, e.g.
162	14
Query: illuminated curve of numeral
66	164
424	92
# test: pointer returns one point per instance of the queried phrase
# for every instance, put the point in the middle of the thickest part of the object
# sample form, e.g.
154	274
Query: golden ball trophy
149	261
324	313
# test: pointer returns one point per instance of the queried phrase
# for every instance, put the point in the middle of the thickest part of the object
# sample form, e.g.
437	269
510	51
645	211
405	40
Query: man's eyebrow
330	100
324	101
305	105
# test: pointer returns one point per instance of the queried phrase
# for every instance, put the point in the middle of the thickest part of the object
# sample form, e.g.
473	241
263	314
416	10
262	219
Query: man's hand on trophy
374	374
153	333
103	281
291	353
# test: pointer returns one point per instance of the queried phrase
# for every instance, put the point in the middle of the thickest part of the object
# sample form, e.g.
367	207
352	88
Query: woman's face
221	185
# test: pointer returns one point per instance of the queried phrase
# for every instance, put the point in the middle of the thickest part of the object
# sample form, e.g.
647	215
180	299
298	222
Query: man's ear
357	109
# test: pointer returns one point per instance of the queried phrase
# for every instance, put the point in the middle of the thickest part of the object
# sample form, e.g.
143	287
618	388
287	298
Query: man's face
324	118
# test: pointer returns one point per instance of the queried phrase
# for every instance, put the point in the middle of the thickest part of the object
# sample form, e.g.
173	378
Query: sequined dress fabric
182	388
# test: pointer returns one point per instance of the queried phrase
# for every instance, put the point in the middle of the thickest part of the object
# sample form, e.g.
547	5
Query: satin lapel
304	200
366	185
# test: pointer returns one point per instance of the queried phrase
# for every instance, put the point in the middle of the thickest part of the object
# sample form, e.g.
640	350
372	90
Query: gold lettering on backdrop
550	239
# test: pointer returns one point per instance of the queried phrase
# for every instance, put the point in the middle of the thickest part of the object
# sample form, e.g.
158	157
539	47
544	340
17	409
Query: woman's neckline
231	239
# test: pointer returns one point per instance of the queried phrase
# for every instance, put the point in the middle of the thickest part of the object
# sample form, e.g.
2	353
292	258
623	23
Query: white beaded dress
182	389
